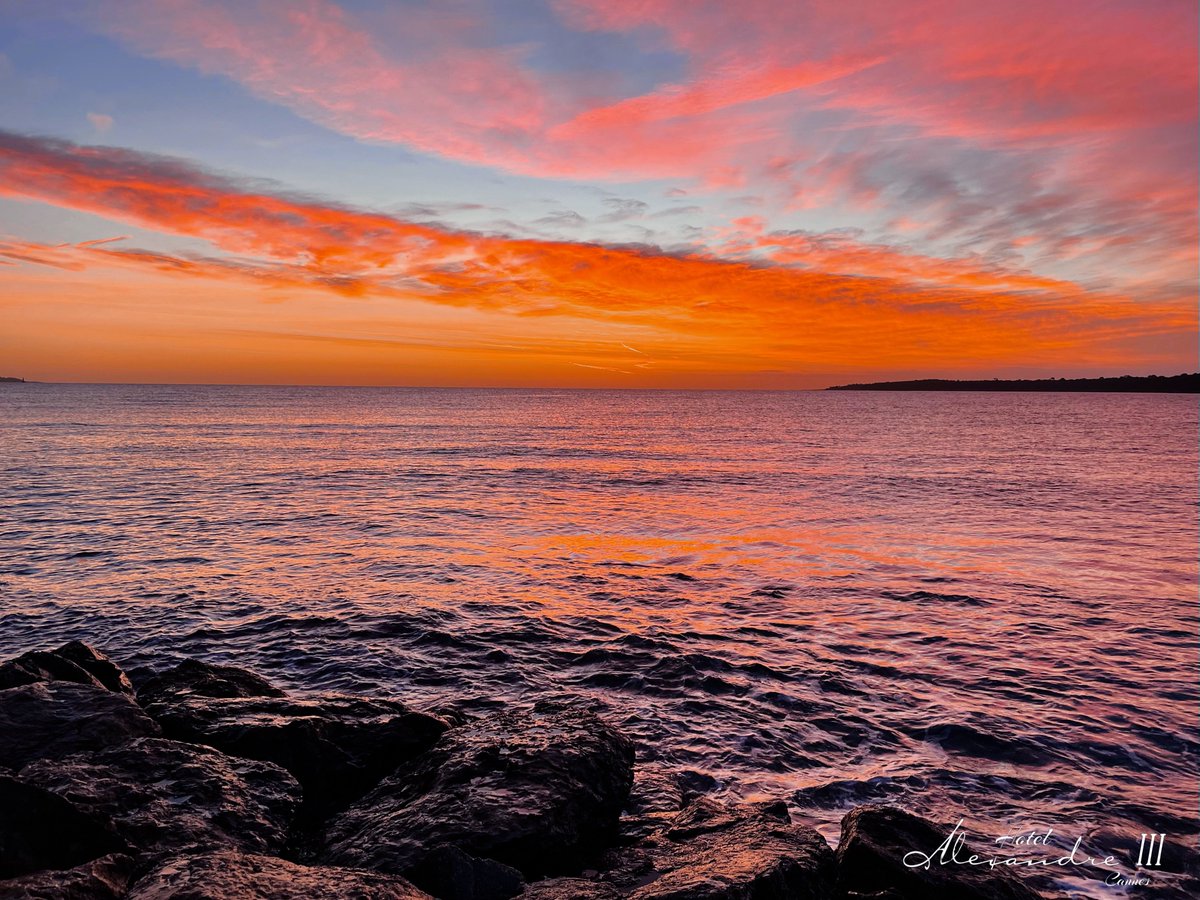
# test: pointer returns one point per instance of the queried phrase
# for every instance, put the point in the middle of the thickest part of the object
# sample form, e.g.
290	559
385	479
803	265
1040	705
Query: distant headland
1139	384
6	378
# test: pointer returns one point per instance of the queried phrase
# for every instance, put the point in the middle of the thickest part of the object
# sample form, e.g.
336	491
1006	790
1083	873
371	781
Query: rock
99	666
875	840
47	719
570	889
193	678
449	874
163	795
655	790
657	795
539	791
74	661
337	747
106	878
41	830
710	851
228	875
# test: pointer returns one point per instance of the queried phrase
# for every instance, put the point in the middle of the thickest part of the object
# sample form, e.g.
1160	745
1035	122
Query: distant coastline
9	379
1138	384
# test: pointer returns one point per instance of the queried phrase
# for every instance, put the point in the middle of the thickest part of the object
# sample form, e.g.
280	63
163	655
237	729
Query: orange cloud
988	123
777	302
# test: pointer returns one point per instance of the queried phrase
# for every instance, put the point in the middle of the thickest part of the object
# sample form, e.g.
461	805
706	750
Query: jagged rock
41	830
875	840
194	678
710	851
74	661
99	666
570	889
163	795
48	719
657	795
656	790
229	875
337	747
449	874
106	878
539	791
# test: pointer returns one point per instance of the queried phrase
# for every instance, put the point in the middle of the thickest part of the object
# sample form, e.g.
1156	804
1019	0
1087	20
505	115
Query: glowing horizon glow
651	194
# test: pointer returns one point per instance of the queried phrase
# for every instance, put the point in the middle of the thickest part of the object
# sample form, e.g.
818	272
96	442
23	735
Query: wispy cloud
1026	128
827	299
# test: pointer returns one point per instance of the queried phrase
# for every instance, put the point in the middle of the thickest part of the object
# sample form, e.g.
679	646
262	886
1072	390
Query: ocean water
978	606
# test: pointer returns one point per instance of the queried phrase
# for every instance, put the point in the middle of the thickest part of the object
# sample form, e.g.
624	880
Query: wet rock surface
41	830
712	851
196	678
542	804
164	795
336	746
74	661
450	874
874	842
657	795
106	878
538	791
48	719
234	876
570	889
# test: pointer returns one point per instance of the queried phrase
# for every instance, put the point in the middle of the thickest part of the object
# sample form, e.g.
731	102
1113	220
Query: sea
978	606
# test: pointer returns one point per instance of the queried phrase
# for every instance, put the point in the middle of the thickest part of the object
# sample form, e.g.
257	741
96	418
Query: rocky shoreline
206	782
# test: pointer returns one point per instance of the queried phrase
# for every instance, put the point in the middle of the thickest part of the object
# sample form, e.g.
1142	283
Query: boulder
193	678
106	878
871	861
229	875
74	661
165	796
540	791
449	874
337	747
41	830
711	851
47	719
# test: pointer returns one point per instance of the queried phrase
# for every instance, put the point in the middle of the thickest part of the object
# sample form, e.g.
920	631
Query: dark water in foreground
975	605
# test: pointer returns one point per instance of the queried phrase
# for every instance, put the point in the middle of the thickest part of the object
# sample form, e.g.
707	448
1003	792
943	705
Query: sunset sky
618	193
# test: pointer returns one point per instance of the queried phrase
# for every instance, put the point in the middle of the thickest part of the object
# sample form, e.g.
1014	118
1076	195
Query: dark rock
106	878
715	852
54	718
655	790
874	842
657	795
99	666
74	661
42	665
41	830
570	889
449	874
337	747
539	791
162	795
228	875
193	678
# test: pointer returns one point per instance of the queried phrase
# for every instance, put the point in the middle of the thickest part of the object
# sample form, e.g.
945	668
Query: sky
596	193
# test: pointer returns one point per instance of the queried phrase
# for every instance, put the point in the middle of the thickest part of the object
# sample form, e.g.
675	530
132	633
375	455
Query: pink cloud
1068	125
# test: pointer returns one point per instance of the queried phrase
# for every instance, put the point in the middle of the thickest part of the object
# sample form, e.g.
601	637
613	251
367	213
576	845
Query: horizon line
464	387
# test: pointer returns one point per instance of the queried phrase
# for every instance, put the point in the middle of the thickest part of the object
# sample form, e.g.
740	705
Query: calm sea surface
975	605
